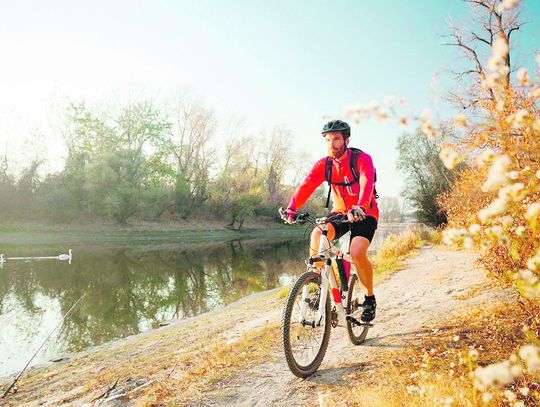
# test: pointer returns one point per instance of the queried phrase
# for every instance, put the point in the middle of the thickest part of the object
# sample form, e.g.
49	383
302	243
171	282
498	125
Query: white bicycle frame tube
328	279
324	293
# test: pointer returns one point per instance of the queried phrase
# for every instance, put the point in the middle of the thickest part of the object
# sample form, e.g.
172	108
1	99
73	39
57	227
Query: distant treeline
142	163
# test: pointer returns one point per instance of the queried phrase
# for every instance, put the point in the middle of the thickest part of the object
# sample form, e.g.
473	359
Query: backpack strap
328	170
328	175
355	152
375	194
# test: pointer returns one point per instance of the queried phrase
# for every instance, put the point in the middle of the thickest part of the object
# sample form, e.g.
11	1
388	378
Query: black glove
289	215
356	214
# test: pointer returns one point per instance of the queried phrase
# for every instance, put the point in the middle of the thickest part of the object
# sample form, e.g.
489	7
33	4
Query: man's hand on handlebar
356	214
288	215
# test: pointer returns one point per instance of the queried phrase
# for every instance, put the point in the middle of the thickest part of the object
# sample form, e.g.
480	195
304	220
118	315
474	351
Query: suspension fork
322	299
324	293
324	246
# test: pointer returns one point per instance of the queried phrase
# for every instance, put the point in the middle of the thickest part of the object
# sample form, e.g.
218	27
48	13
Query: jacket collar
343	156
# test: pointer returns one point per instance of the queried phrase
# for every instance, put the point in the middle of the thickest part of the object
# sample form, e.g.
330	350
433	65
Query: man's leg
358	250
316	236
359	247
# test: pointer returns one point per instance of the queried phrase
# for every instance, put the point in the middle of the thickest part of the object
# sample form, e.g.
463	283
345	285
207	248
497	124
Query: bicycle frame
328	281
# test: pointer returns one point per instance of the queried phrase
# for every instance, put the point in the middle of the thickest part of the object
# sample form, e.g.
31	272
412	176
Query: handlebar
338	218
303	217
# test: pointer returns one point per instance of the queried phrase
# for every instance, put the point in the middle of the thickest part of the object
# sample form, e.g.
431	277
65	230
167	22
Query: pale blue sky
266	62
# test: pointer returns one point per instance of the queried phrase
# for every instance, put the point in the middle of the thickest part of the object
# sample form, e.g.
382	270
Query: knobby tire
308	369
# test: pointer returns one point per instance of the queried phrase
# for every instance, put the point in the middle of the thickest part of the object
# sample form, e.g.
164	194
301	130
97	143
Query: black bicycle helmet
337	125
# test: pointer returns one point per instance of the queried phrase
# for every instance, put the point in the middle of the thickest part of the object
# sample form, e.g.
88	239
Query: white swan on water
65	256
62	256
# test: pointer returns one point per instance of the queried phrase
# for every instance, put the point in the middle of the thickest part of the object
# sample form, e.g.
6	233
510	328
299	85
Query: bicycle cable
307	247
316	225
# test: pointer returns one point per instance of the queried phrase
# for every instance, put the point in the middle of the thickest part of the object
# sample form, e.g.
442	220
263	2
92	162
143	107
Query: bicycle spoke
357	333
306	340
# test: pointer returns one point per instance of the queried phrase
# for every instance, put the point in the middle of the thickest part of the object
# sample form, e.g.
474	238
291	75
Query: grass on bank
389	257
437	369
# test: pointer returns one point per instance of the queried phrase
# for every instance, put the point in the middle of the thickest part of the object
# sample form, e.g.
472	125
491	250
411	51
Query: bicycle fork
328	280
305	302
329	285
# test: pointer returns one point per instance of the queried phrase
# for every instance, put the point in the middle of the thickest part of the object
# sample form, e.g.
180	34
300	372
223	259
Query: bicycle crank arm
352	319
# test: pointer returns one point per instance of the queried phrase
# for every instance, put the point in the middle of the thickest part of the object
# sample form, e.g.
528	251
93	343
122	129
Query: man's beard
336	154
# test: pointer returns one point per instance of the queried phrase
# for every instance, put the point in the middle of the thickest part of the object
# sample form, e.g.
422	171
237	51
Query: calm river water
130	290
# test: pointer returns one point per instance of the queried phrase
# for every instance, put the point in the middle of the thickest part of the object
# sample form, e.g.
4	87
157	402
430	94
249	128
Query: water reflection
129	291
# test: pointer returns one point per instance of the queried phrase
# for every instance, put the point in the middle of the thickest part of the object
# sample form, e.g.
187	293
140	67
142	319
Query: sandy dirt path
434	286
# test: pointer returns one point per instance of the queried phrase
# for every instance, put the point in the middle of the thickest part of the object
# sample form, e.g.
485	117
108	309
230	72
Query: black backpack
355	152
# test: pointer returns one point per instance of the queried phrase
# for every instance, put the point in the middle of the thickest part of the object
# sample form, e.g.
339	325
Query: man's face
335	144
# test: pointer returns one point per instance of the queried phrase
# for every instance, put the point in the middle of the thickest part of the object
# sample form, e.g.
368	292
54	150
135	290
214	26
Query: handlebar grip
300	216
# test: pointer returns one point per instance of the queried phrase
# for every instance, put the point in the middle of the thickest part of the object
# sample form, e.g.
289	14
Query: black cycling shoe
368	314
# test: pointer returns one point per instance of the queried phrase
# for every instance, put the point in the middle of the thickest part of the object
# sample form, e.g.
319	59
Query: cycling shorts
365	228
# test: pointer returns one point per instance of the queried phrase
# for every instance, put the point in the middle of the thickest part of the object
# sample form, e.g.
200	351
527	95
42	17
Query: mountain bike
310	311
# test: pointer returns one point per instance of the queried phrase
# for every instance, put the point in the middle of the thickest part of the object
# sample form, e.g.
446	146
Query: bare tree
30	180
475	40
188	144
232	130
276	156
237	162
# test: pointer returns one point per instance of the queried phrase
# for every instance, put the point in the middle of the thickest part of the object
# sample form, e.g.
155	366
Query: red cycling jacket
360	193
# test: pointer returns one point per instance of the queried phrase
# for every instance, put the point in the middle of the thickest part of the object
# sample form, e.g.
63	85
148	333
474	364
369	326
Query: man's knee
359	248
316	233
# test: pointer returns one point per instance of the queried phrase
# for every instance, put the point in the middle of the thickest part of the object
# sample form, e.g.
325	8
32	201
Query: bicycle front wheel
357	333
305	339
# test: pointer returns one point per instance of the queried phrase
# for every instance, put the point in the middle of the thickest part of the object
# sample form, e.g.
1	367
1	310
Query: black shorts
365	228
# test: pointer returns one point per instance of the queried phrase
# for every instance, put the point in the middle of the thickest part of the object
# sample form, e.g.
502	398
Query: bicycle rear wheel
357	333
305	340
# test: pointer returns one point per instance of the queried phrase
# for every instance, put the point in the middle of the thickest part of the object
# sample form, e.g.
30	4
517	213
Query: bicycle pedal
352	319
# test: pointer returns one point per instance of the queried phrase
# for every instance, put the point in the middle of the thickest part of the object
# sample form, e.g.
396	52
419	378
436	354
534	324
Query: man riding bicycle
353	192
